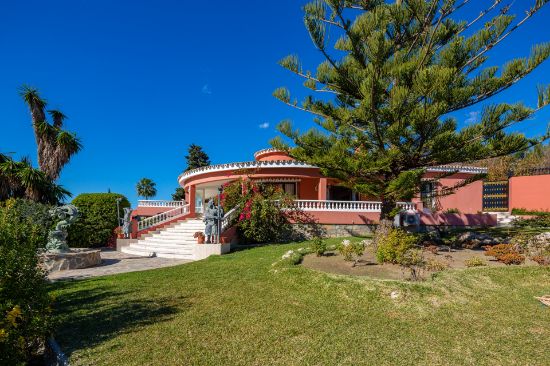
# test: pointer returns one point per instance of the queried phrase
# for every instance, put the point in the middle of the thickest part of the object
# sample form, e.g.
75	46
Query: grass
237	310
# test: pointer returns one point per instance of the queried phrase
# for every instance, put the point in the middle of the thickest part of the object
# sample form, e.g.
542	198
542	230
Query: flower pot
224	240
200	240
120	236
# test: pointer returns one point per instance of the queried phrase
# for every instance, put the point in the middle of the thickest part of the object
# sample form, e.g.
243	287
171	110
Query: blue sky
141	80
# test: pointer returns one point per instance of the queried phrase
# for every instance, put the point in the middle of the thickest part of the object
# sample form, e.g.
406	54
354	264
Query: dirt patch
332	262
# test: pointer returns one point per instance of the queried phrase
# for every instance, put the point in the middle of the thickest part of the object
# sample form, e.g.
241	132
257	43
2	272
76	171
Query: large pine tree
197	157
390	83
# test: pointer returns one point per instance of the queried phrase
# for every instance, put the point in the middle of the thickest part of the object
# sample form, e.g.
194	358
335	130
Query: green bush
97	221
25	318
392	247
526	212
351	250
475	262
318	246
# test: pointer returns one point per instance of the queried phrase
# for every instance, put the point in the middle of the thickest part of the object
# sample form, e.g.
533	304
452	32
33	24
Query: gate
495	196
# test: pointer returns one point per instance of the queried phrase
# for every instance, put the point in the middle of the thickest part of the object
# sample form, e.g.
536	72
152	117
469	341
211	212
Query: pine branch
530	13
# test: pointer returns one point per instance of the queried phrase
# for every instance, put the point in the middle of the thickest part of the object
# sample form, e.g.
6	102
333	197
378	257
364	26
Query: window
427	194
288	188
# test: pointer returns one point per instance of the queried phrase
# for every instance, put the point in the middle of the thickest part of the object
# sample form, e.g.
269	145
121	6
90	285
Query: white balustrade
346	206
160	203
163	217
228	218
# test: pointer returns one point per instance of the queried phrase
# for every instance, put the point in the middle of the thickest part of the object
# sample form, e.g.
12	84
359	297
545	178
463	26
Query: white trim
458	169
347	206
266	151
160	203
277	180
243	165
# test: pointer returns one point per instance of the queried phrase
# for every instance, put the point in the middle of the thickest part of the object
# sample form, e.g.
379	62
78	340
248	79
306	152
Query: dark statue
212	216
57	238
127	222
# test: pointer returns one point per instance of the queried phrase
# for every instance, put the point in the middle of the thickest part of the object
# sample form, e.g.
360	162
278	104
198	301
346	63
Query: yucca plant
55	146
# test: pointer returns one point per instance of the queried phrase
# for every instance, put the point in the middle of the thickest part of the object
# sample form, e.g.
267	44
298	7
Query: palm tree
55	146
146	188
19	179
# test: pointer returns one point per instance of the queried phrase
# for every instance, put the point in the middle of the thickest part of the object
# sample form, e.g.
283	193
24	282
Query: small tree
146	188
179	194
197	157
388	90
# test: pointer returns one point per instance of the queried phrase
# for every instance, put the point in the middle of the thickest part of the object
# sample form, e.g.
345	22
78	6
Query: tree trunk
387	207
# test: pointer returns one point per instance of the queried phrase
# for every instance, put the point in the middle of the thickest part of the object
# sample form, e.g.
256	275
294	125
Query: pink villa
166	228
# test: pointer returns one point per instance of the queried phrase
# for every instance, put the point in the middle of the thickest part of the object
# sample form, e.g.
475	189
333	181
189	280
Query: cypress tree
393	78
197	157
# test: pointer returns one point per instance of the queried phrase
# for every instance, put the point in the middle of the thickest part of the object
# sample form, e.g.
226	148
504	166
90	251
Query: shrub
435	265
351	250
452	211
524	211
97	221
25	318
392	247
265	212
511	258
414	261
537	221
541	260
318	246
474	262
498	250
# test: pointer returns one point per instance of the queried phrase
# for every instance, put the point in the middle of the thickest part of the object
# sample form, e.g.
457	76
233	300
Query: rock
394	295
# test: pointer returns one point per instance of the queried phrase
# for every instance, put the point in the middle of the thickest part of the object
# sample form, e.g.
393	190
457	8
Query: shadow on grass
90	315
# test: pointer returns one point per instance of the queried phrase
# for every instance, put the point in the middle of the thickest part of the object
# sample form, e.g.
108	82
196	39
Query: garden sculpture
211	218
57	238
127	222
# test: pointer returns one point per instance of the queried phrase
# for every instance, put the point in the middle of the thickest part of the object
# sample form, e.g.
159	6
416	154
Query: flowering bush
24	301
265	212
351	250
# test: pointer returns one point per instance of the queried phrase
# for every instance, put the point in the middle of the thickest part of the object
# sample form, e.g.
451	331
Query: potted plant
199	235
119	233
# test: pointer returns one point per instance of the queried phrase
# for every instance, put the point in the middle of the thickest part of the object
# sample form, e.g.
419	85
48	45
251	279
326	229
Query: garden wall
530	192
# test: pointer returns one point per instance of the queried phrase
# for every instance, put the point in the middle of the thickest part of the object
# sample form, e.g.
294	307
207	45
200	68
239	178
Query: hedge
25	313
97	221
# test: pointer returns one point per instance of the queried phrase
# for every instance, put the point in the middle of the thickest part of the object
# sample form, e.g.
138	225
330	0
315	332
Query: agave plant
55	146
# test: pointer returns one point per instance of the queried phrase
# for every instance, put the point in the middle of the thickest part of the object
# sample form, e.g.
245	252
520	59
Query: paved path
116	262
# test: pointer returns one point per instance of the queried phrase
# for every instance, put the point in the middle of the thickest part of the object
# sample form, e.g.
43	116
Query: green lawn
236	310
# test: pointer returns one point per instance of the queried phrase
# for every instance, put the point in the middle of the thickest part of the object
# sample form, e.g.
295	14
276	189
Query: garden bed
333	262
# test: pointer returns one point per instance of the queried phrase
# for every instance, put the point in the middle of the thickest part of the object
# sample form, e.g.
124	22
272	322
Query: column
322	189
191	199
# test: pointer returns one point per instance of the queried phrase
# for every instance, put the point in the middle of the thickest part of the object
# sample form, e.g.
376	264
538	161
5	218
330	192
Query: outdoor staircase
173	241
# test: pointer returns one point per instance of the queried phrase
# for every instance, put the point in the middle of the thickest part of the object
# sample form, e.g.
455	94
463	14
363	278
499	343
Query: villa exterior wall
530	192
467	199
345	218
307	189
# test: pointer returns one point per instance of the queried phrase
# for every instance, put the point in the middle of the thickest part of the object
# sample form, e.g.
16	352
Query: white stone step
162	248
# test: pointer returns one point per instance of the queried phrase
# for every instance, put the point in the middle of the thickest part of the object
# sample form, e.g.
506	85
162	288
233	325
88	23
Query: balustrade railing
228	219
162	217
346	206
160	203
